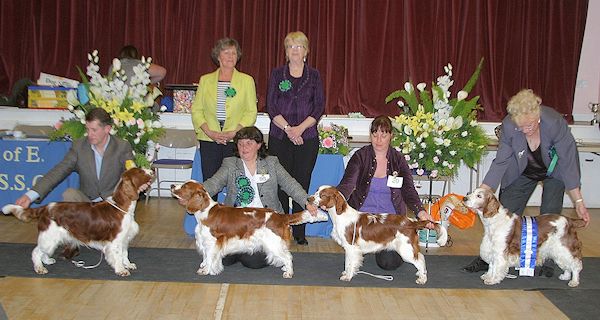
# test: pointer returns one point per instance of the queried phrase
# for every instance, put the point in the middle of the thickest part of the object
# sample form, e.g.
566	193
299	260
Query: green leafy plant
436	132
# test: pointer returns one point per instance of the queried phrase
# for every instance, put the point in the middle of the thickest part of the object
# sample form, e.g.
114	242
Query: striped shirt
221	87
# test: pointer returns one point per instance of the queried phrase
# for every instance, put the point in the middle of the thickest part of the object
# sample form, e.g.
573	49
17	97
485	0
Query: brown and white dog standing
108	226
501	243
359	233
223	230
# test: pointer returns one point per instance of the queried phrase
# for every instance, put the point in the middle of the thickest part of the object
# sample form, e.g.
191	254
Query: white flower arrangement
436	132
128	103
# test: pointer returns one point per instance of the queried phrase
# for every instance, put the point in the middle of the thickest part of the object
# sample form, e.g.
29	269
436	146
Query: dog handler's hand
582	212
423	215
23	201
311	208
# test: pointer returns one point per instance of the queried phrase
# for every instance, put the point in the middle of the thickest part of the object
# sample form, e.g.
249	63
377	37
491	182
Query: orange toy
454	211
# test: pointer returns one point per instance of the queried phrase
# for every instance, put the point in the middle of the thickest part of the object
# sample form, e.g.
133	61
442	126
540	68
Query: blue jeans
515	196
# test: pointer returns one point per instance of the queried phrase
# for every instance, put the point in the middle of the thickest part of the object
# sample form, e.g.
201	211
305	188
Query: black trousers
299	162
212	158
515	196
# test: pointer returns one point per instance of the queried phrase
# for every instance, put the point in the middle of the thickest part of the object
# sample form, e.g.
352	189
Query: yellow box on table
46	97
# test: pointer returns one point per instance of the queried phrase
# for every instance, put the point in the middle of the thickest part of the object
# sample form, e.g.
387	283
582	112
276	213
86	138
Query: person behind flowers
530	137
224	103
130	57
378	180
252	178
295	103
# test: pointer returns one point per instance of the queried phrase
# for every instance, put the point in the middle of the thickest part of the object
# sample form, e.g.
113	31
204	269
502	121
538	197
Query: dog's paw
288	274
565	276
40	270
485	276
202	271
491	281
345	276
421	279
131	266
48	260
123	273
573	283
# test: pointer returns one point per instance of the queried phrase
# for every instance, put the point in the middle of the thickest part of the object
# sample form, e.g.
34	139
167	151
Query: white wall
588	76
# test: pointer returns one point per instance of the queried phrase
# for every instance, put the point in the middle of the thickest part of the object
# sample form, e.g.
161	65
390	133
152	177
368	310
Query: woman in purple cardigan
295	103
369	183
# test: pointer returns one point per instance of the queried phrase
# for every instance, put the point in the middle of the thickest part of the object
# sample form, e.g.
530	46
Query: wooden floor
161	227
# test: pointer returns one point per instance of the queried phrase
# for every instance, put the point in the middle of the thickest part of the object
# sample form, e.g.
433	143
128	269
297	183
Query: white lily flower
464	134
452	152
436	159
473	123
90	58
423	145
400	103
156	124
446	142
116	65
421	86
438	152
136	140
72	98
462	95
445	163
95	52
408	87
421	155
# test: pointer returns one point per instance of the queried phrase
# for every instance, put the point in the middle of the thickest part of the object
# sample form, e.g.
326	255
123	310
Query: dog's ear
198	200
492	204
340	202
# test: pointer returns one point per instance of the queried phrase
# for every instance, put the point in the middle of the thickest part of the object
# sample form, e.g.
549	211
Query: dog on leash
501	243
108	225
359	233
224	230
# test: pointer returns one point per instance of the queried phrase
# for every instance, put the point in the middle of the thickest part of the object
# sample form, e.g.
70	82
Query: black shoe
476	265
547	271
301	241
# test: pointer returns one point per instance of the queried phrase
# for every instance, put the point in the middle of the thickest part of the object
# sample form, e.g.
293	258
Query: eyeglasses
529	127
295	46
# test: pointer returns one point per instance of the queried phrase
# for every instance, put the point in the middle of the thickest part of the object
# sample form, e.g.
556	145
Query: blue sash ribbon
529	239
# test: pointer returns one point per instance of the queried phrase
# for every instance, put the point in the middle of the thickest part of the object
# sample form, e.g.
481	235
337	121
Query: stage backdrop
364	49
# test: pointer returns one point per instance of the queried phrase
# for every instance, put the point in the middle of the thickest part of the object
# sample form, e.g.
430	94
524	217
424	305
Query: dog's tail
306	217
442	234
23	214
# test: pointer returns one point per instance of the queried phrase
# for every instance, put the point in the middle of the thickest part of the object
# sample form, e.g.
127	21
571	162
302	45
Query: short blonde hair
298	37
523	105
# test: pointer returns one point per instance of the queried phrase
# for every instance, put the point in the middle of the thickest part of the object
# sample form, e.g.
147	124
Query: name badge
262	178
395	181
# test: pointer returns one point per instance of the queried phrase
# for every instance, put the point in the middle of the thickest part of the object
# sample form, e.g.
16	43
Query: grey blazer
233	167
80	159
511	158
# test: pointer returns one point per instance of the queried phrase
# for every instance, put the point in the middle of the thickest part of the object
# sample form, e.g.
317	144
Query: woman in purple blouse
295	103
378	180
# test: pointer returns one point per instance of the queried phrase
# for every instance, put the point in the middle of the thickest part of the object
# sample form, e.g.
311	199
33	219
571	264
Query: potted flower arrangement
128	103
333	139
437	131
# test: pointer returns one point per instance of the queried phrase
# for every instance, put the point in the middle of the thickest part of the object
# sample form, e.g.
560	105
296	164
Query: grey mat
575	303
311	269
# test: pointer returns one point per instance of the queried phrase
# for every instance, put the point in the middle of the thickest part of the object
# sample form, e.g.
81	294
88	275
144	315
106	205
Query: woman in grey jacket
536	145
251	179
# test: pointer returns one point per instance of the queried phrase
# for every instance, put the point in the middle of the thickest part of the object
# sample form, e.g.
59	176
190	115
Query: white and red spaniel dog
501	243
108	226
359	233
224	230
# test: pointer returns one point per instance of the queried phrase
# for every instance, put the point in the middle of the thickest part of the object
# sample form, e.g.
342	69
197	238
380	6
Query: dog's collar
112	203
